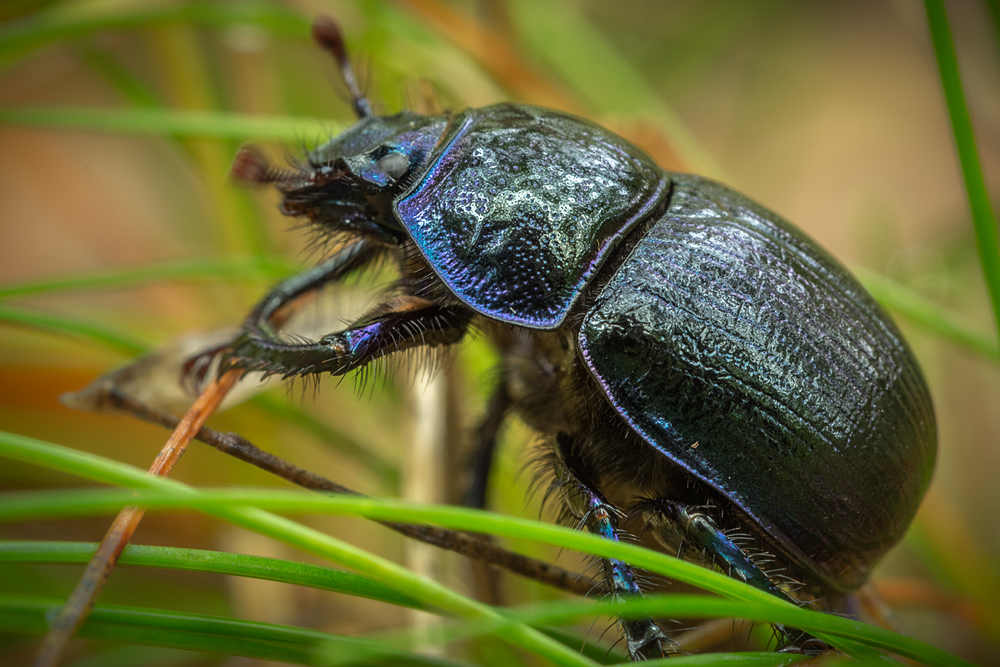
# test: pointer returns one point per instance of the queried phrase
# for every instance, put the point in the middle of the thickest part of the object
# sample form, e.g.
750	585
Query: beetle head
379	153
348	183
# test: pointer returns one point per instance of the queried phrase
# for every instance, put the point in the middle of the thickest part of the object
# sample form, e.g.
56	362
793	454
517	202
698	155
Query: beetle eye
393	165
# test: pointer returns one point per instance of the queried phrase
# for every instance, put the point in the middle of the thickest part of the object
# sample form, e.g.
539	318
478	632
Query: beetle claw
646	640
194	372
809	646
197	369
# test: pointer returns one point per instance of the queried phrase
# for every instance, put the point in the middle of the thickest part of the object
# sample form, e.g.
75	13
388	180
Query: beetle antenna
327	34
251	167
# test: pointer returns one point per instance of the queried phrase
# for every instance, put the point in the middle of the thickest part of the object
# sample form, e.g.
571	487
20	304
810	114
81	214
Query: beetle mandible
688	356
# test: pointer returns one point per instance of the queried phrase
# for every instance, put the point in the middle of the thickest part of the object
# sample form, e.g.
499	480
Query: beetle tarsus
802	643
197	369
645	640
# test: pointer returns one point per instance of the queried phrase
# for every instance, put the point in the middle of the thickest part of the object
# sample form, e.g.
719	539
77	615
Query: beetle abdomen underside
520	206
737	347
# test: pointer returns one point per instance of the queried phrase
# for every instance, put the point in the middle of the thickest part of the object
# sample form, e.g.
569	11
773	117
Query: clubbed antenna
327	34
252	168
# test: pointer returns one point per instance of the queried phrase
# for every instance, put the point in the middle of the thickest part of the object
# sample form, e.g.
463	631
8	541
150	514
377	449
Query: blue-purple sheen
369	133
520	206
622	580
742	351
362	338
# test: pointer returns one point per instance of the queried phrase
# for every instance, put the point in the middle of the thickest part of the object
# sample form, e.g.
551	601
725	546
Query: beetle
688	357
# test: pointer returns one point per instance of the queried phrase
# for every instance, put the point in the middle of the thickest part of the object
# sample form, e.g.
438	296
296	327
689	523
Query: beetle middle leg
485	444
644	638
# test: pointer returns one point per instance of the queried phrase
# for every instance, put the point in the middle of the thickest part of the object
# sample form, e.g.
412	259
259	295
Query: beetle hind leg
696	526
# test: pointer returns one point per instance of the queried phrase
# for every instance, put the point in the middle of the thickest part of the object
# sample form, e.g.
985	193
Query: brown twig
467	544
81	601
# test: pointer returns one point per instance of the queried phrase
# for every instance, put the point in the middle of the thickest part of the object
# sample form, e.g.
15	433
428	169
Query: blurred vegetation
121	233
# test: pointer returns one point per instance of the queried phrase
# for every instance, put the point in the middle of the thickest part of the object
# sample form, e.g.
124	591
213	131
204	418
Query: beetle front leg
261	321
401	324
643	637
346	260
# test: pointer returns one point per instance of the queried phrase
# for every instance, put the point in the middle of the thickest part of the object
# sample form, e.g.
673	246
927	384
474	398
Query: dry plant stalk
81	601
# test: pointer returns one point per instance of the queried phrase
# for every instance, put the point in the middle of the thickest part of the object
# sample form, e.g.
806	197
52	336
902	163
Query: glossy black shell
520	206
729	341
743	352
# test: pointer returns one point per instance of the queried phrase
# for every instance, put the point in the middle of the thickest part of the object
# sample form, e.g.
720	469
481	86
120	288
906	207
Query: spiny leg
346	260
697	527
403	323
644	638
260	321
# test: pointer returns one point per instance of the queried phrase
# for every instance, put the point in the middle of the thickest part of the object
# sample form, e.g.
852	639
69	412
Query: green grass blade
69	502
927	314
704	606
228	268
195	632
547	615
20	37
107	336
983	220
164	493
756	604
146	120
427	592
215	562
749	602
744	659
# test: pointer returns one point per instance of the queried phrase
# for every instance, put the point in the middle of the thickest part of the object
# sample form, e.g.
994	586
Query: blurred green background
828	113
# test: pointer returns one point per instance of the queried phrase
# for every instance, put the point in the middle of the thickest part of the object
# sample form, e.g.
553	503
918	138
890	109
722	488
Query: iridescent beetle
688	356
